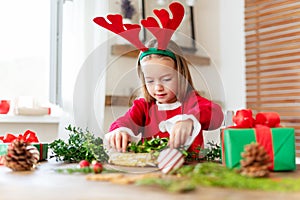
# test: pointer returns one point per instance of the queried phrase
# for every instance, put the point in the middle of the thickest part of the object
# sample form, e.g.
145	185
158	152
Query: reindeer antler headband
162	30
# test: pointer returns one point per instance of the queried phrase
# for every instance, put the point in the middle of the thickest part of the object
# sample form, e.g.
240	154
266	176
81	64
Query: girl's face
160	78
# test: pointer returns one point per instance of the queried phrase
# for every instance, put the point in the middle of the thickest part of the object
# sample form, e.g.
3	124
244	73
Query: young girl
171	106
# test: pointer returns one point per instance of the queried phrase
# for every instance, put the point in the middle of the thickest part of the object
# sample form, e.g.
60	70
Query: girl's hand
119	141
180	132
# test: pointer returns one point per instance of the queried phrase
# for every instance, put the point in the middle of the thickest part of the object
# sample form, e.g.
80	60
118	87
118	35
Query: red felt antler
163	34
128	31
163	31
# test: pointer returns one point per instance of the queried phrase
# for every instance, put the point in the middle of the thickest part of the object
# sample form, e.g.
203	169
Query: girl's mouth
160	95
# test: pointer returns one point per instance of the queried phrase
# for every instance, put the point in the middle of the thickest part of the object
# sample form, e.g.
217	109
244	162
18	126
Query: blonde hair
185	84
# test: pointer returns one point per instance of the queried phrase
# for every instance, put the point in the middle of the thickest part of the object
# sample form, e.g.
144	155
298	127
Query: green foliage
212	153
81	145
213	174
147	146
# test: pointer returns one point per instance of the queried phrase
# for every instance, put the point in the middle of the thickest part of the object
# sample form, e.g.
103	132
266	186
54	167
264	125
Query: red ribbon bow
28	136
243	119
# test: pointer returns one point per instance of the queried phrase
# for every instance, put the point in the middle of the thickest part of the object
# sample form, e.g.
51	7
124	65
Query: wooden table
45	183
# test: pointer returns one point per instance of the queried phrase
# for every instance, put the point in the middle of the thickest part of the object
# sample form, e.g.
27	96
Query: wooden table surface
45	183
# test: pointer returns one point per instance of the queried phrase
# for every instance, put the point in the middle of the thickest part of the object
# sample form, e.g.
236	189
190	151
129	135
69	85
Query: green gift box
278	142
42	148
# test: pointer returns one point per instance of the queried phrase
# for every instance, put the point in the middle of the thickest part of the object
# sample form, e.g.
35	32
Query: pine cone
255	161
20	156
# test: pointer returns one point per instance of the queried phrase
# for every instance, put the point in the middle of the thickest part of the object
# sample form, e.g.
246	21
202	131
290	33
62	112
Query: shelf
130	51
28	119
117	100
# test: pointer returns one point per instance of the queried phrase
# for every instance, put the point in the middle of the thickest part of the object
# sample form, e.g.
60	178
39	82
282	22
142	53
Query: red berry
97	167
84	163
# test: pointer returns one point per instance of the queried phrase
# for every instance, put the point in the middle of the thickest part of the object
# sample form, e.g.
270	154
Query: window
24	49
273	64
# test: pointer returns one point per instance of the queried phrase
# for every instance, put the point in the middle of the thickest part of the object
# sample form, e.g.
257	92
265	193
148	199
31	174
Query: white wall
232	58
220	30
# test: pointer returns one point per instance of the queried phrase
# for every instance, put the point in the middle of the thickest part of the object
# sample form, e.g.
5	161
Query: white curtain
82	64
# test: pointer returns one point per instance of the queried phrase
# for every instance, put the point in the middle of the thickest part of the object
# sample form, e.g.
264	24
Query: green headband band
158	52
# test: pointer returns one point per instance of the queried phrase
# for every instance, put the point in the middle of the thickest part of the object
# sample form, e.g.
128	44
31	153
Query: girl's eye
167	79
149	81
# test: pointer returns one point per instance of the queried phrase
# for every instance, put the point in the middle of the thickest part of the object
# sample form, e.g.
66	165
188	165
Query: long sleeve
134	118
208	113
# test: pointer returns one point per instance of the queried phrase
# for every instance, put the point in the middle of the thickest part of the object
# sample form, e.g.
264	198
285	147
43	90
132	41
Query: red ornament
84	163
4	106
97	167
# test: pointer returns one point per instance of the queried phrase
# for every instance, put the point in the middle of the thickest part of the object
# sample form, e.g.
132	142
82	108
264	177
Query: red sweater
145	117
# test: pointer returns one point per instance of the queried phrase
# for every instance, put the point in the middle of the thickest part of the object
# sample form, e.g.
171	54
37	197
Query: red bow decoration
163	31
28	136
243	119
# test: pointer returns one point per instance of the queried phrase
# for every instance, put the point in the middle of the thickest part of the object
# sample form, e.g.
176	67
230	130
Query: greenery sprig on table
81	145
84	170
188	177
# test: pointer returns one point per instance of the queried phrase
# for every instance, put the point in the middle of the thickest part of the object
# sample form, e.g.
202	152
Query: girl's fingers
118	141
183	138
177	141
178	138
125	139
112	141
174	140
171	141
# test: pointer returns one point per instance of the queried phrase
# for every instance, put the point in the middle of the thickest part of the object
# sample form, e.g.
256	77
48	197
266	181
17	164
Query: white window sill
28	119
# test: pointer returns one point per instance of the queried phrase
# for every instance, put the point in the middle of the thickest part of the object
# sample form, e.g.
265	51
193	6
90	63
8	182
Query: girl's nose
158	86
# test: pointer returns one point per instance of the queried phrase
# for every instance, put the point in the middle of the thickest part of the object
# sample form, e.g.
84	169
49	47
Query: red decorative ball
84	163
97	167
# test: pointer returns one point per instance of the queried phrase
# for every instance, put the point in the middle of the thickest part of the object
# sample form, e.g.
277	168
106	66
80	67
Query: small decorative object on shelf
4	106
21	156
190	2
127	9
255	162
